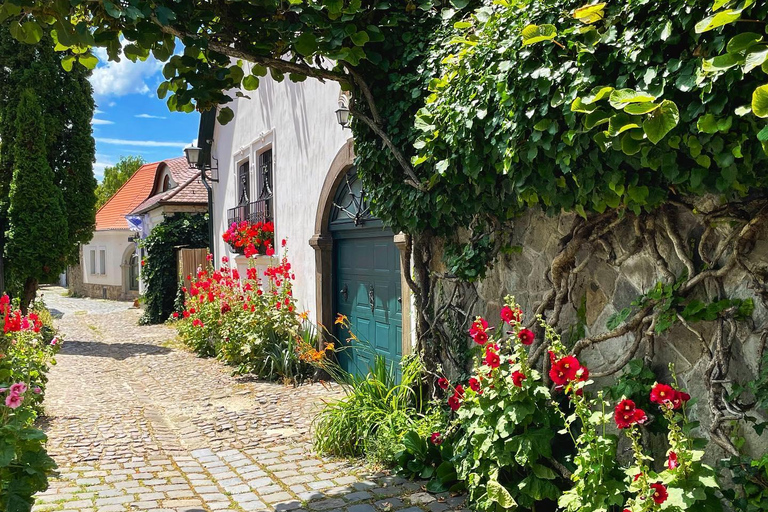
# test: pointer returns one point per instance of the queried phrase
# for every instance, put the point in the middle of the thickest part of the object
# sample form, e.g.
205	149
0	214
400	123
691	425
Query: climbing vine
159	269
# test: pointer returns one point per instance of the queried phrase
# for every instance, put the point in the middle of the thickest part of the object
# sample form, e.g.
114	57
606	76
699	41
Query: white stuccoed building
285	158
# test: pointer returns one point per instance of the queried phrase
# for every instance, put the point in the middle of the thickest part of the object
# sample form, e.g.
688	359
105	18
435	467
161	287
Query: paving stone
159	429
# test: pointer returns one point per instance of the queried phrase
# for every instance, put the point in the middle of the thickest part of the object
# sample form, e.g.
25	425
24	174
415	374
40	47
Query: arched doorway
327	244
366	283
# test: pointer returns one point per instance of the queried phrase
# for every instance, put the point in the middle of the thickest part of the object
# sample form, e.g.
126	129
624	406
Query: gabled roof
131	194
188	191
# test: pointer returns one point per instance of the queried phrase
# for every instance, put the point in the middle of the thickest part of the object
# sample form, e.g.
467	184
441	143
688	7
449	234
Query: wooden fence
190	260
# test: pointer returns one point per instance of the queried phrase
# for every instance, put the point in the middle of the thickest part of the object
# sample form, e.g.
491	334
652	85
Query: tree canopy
115	176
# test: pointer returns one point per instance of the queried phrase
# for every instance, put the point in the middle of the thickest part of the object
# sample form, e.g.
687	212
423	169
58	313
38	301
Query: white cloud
124	77
145	143
97	112
101	121
149	116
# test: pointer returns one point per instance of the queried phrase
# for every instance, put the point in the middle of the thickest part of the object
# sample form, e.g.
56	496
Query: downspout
207	186
205	141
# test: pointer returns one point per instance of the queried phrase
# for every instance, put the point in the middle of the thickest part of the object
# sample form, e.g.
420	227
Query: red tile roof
188	191
131	194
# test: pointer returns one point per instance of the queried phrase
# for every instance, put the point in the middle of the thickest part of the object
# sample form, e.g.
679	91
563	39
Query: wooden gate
190	260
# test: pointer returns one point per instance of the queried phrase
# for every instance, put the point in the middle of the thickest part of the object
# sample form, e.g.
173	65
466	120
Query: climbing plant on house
159	268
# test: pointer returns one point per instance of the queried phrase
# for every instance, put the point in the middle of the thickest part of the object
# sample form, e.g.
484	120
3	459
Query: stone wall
613	269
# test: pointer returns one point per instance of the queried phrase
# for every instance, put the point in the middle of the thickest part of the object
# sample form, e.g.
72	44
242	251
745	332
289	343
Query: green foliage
751	479
115	176
159	271
24	463
422	458
37	241
376	412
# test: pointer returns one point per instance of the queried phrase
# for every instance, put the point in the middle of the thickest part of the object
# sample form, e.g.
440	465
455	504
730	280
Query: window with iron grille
260	209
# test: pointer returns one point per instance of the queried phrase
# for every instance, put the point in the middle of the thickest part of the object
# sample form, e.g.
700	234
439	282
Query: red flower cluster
567	369
669	397
479	331
510	315
14	321
454	401
627	414
251	239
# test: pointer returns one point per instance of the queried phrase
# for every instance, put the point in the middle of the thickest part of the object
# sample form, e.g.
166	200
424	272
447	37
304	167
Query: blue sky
130	119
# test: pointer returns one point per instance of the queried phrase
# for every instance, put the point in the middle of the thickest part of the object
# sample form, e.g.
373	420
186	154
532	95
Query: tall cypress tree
66	102
36	240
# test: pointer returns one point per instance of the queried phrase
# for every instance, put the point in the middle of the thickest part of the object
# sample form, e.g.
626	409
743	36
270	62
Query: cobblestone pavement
136	424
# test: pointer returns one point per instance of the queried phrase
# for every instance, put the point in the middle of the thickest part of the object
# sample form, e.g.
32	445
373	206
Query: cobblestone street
135	423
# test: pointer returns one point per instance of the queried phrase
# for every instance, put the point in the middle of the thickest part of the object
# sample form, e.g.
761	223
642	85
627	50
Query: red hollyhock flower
197	322
518	378
474	385
459	390
634	478
436	438
639	416
492	359
624	414
510	315
270	251
454	403
175	314
680	398
443	383
564	370
480	337
672	461
225	308
186	314
659	493
525	336
662	394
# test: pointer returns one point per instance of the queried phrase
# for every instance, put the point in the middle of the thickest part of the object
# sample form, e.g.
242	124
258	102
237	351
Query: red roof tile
188	191
131	194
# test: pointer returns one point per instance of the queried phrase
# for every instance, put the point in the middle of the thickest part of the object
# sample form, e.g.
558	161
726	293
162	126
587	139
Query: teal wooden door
366	281
368	292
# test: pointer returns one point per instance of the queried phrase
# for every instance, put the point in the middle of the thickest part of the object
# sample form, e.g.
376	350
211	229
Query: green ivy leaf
536	33
629	145
661	121
707	124
762	135
718	20
638	194
760	101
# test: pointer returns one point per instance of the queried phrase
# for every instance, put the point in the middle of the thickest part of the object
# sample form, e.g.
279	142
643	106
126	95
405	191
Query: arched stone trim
322	242
125	269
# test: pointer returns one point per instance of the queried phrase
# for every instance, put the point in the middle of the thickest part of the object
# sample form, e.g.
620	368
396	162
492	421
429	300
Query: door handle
345	292
371	299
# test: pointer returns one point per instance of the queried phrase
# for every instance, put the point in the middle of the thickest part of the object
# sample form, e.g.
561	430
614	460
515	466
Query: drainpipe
210	215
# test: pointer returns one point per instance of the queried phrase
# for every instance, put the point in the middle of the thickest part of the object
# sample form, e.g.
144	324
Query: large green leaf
537	33
641	108
755	59
743	41
497	493
760	101
621	97
718	20
661	121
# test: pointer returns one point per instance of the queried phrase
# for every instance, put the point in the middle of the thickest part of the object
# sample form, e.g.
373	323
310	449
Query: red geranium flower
454	403
474	385
672	461
659	493
525	336
518	378
443	383
436	438
662	394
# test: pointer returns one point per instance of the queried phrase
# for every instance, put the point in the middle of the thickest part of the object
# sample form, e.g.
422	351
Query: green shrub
254	328
376	412
25	356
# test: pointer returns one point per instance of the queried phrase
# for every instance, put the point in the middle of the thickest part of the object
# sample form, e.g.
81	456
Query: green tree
66	102
115	176
37	235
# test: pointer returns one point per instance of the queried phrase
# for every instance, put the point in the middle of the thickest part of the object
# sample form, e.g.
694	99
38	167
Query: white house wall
116	243
298	121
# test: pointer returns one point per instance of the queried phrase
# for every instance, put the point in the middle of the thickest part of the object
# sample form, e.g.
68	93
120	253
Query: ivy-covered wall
684	285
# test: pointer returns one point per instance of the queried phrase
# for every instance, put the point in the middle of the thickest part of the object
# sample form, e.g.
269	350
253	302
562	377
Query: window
102	260
92	261
166	183
133	273
243	182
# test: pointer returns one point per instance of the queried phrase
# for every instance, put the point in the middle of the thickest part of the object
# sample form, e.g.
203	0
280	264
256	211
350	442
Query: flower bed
516	439
27	349
251	239
244	323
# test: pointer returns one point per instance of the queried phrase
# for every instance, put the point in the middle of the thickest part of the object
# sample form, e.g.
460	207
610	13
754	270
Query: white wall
298	121
115	242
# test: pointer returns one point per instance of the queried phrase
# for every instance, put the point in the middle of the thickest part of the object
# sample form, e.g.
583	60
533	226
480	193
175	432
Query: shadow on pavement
119	351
